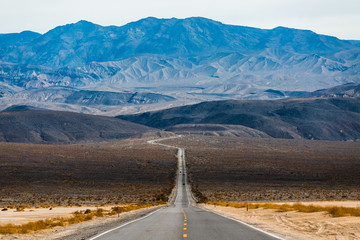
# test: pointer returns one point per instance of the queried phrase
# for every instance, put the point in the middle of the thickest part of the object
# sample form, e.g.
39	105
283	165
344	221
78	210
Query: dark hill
23	124
16	108
325	118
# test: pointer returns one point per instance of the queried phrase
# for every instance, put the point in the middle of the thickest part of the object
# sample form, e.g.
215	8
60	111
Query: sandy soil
298	226
83	230
35	214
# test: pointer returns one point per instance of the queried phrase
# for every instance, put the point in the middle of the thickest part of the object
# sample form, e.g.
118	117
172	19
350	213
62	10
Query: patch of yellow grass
333	210
18	206
78	216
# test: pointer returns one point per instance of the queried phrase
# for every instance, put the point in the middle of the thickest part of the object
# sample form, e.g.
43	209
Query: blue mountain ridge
85	42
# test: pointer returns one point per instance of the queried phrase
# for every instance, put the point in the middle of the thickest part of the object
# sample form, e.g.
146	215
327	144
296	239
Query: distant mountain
90	98
355	42
31	125
323	118
83	42
348	90
351	90
192	60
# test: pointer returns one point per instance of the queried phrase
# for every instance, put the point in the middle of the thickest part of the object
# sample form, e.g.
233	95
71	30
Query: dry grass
335	211
252	169
78	216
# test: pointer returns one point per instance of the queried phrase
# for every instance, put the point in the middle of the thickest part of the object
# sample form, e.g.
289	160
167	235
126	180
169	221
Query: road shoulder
293	225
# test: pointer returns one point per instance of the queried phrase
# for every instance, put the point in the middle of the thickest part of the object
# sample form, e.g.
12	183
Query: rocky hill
31	125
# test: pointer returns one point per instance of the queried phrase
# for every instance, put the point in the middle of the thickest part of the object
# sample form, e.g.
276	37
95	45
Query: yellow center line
185	220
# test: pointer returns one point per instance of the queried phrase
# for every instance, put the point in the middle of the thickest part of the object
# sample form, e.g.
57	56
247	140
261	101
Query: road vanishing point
183	220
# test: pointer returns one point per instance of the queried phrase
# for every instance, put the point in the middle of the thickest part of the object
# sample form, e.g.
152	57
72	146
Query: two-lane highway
182	220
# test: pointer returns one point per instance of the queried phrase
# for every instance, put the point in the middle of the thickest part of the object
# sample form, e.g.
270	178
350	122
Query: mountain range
329	114
168	62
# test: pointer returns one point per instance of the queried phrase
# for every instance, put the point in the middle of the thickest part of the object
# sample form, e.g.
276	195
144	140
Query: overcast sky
340	18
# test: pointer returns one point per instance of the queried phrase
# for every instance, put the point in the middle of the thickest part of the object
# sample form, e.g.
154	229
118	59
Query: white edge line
255	228
123	225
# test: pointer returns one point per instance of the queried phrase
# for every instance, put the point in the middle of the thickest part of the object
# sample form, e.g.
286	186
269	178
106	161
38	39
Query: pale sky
340	18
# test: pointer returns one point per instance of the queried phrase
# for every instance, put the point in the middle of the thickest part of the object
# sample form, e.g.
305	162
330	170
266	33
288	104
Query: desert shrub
19	209
45	206
23	206
161	197
344	211
99	212
32	226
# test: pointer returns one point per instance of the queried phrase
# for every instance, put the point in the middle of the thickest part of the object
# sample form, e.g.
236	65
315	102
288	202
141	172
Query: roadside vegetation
78	217
334	211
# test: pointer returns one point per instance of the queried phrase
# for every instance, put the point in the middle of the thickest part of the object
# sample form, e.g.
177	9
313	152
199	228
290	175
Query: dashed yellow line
185	223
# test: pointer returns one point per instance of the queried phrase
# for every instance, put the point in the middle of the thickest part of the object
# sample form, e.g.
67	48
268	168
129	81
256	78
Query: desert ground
72	178
297	225
63	175
258	169
27	215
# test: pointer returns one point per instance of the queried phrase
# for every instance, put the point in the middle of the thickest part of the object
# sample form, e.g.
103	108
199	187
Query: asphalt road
182	220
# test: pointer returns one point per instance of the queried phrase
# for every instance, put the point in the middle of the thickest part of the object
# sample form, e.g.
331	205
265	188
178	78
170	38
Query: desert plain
70	178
